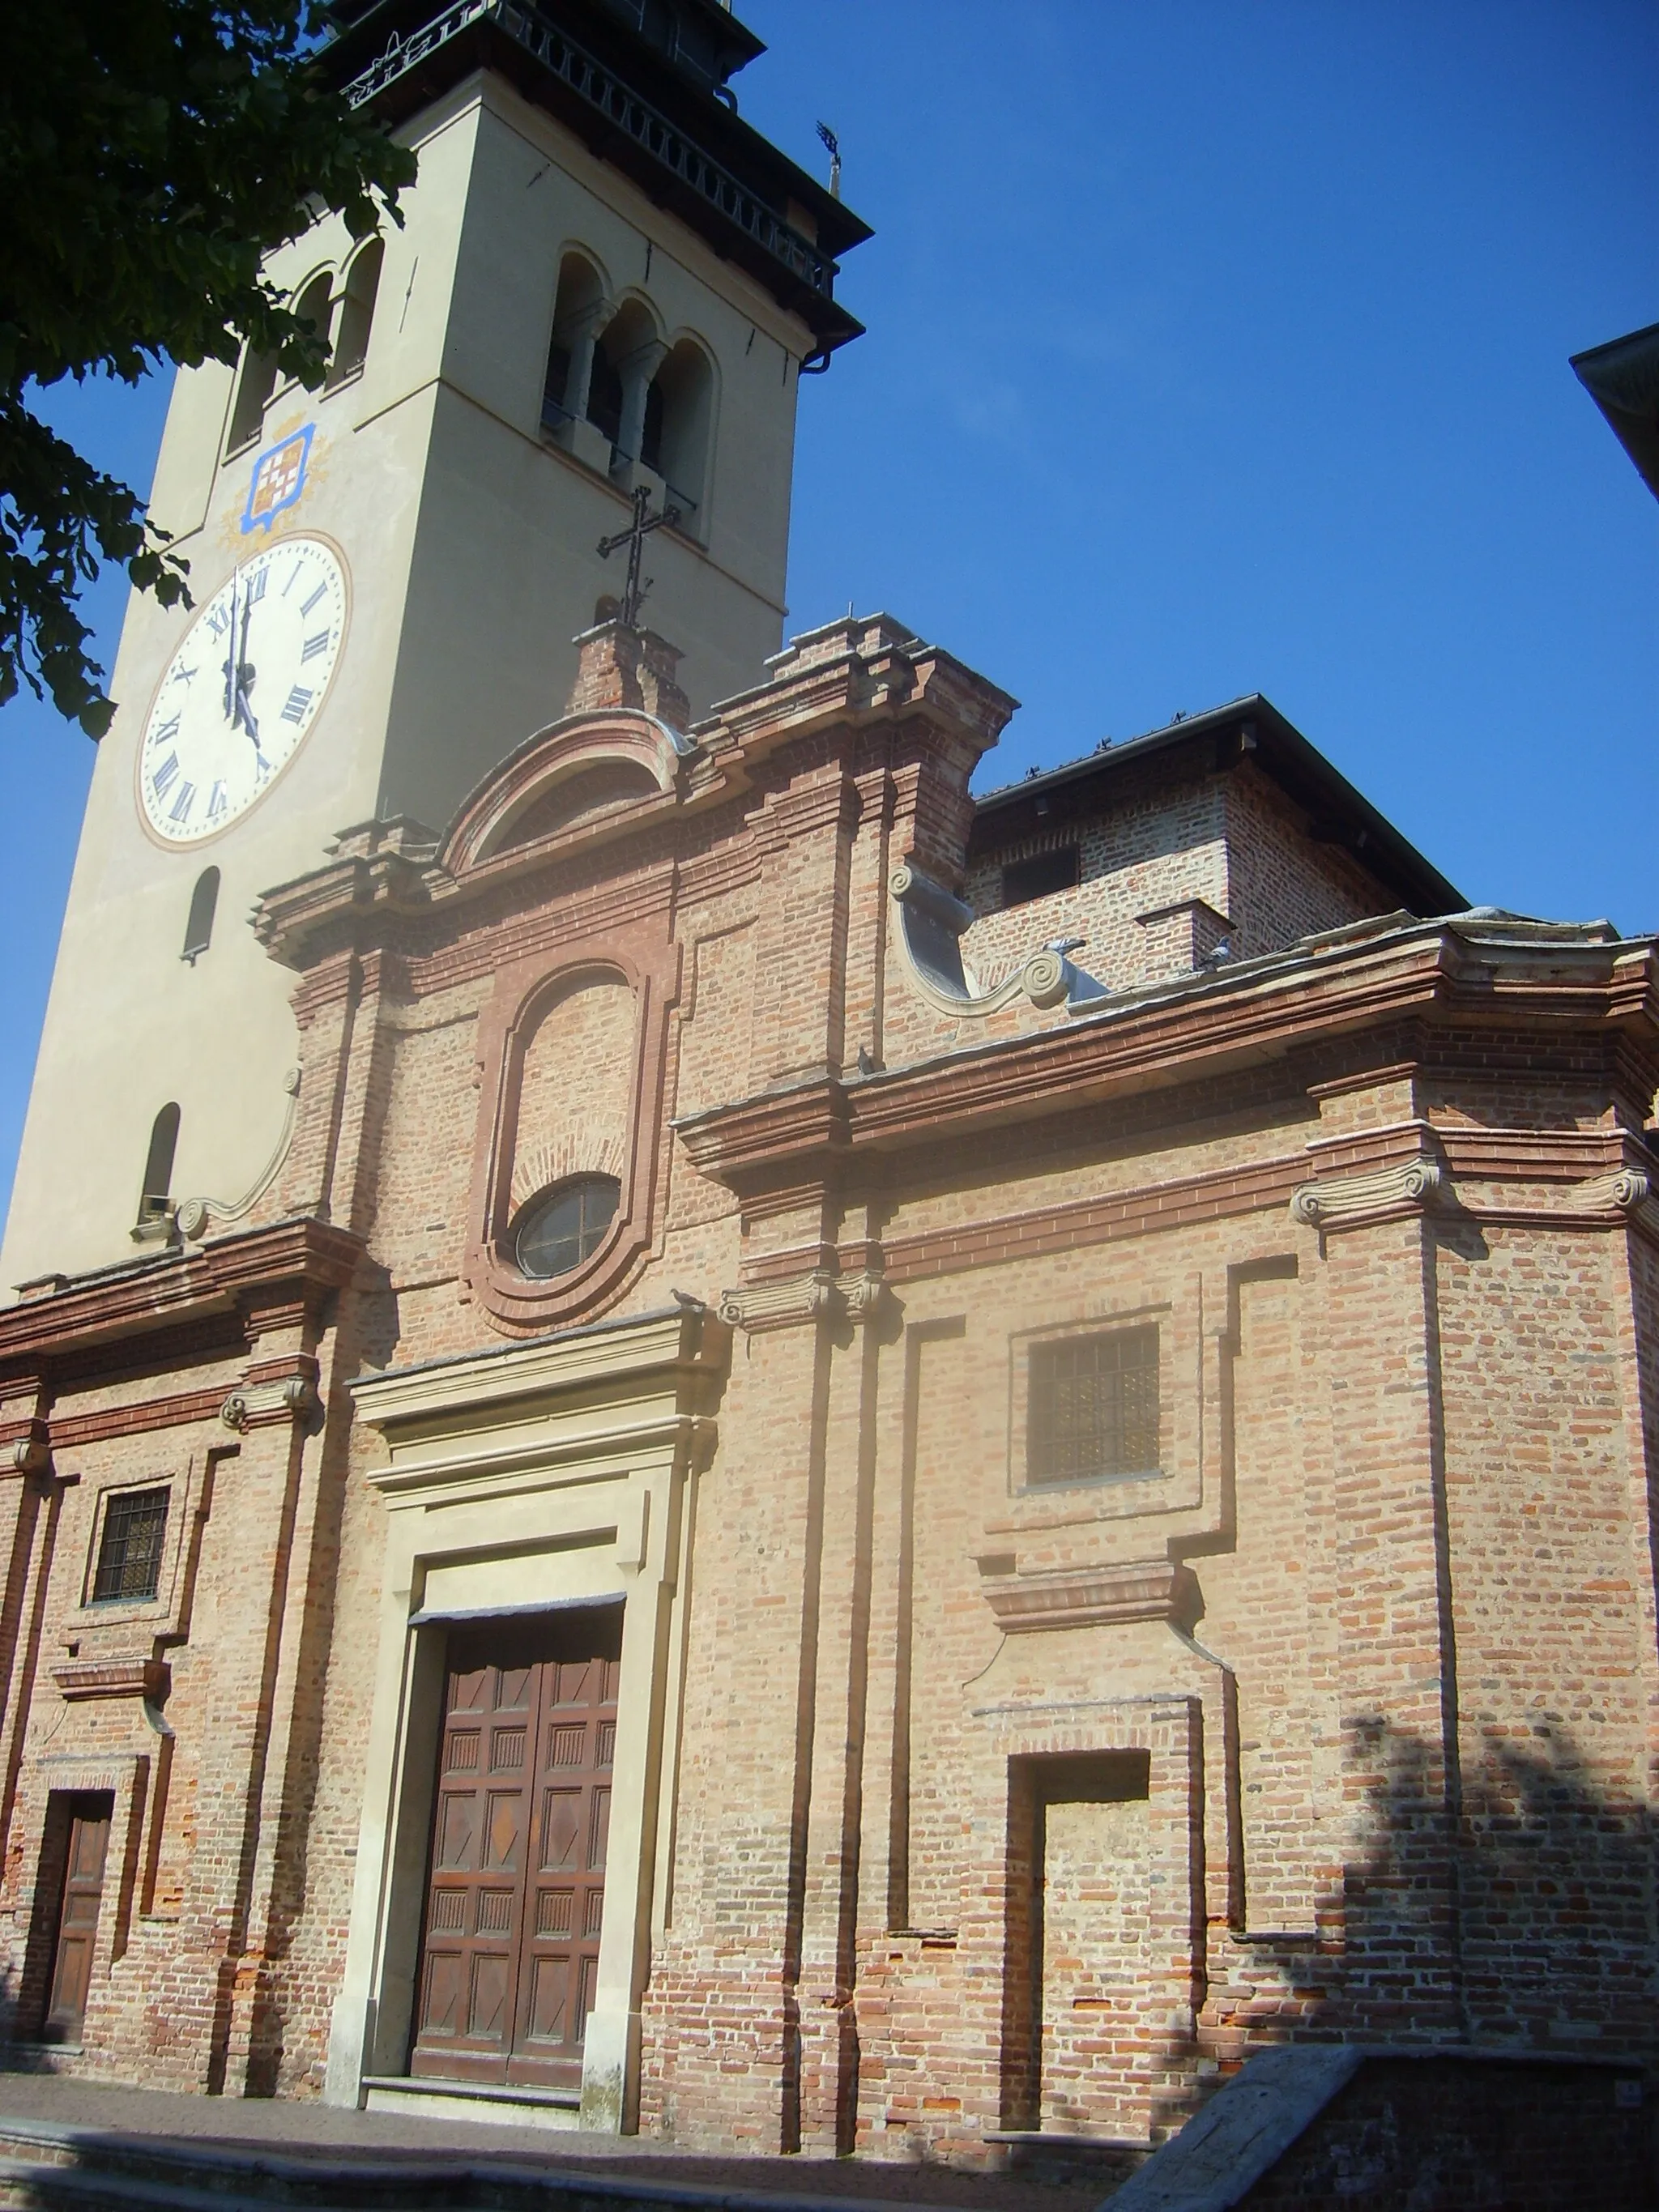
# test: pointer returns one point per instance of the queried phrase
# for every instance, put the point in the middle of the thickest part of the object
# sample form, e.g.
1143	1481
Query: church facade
852	1468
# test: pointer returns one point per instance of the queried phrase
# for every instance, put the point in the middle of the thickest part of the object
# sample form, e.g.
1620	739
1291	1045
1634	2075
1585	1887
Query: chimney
624	667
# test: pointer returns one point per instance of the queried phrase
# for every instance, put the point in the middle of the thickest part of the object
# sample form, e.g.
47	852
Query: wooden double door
521	1818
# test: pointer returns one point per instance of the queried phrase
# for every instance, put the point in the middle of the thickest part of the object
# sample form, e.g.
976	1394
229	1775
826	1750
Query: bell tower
606	284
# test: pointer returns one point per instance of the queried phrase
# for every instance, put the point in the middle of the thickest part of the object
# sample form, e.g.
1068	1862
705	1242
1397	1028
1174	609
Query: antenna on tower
834	145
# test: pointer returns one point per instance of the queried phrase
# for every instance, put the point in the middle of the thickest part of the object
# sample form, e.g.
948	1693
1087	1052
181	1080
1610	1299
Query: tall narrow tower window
357	312
624	362
315	305
156	1197
254	391
678	410
198	930
604	394
576	310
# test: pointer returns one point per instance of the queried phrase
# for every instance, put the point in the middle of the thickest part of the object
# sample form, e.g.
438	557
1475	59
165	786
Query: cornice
299	1259
1199	1031
734	1142
300	923
603	1399
685	1340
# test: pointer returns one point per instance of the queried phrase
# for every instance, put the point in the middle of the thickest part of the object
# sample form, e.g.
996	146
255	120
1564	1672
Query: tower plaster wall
469	540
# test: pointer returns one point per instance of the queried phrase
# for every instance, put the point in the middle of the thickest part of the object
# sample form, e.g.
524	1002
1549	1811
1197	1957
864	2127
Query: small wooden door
515	1887
82	1892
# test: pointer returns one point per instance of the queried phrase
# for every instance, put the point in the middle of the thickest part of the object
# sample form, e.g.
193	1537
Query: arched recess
577	310
573	776
573	1057
679	417
598	788
356	304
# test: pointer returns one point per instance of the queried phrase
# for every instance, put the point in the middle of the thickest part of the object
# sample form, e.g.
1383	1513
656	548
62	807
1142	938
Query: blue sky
1211	348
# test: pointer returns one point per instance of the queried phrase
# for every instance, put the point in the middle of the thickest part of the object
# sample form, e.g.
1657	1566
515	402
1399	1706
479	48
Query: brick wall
1378	1628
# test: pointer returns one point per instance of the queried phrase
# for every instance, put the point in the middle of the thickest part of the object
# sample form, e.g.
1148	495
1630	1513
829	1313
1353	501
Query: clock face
243	689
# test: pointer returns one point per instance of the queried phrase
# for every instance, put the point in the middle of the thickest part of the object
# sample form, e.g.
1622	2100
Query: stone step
34	2185
47	2167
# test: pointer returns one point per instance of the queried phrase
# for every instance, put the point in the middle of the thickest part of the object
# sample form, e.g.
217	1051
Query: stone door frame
545	1475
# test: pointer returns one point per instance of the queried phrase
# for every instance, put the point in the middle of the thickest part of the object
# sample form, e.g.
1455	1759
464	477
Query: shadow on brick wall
1510	1902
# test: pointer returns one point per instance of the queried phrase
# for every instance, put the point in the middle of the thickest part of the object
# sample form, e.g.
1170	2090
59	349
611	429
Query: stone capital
1352	1201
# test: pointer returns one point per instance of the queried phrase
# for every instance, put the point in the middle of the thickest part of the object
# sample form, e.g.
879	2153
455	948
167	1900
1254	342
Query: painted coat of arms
279	477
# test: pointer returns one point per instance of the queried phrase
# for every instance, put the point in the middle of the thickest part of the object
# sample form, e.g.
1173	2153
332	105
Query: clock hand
230	662
245	675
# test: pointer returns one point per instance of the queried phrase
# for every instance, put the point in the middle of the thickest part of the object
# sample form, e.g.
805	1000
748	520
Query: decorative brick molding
1355	1202
180	1411
1088	1597
648	964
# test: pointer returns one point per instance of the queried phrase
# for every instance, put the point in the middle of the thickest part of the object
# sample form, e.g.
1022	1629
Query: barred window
130	1549
1093	1406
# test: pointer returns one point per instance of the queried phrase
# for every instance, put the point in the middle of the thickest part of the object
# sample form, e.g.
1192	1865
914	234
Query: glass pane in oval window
559	1230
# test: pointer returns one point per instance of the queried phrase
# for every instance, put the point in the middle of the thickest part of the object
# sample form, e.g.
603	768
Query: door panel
83	1893
577	1747
516	1888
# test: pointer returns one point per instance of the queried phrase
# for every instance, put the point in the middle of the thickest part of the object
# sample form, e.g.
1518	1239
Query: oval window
562	1227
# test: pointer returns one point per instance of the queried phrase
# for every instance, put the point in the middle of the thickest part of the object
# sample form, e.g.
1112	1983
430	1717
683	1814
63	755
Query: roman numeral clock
240	695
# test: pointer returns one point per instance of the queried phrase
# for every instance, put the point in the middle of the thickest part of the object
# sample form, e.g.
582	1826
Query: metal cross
633	538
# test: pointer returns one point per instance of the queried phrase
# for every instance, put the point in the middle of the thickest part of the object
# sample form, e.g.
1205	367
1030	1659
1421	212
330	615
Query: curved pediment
585	772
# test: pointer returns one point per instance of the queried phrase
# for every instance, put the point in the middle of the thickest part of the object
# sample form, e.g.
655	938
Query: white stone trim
501	1490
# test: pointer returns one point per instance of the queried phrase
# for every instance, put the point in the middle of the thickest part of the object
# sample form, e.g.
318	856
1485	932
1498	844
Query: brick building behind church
880	1472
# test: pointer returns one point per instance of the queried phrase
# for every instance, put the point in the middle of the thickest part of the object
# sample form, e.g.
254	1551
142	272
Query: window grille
1093	1406
129	1550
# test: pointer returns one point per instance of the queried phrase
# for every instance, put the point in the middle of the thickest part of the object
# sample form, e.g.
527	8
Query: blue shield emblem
279	477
